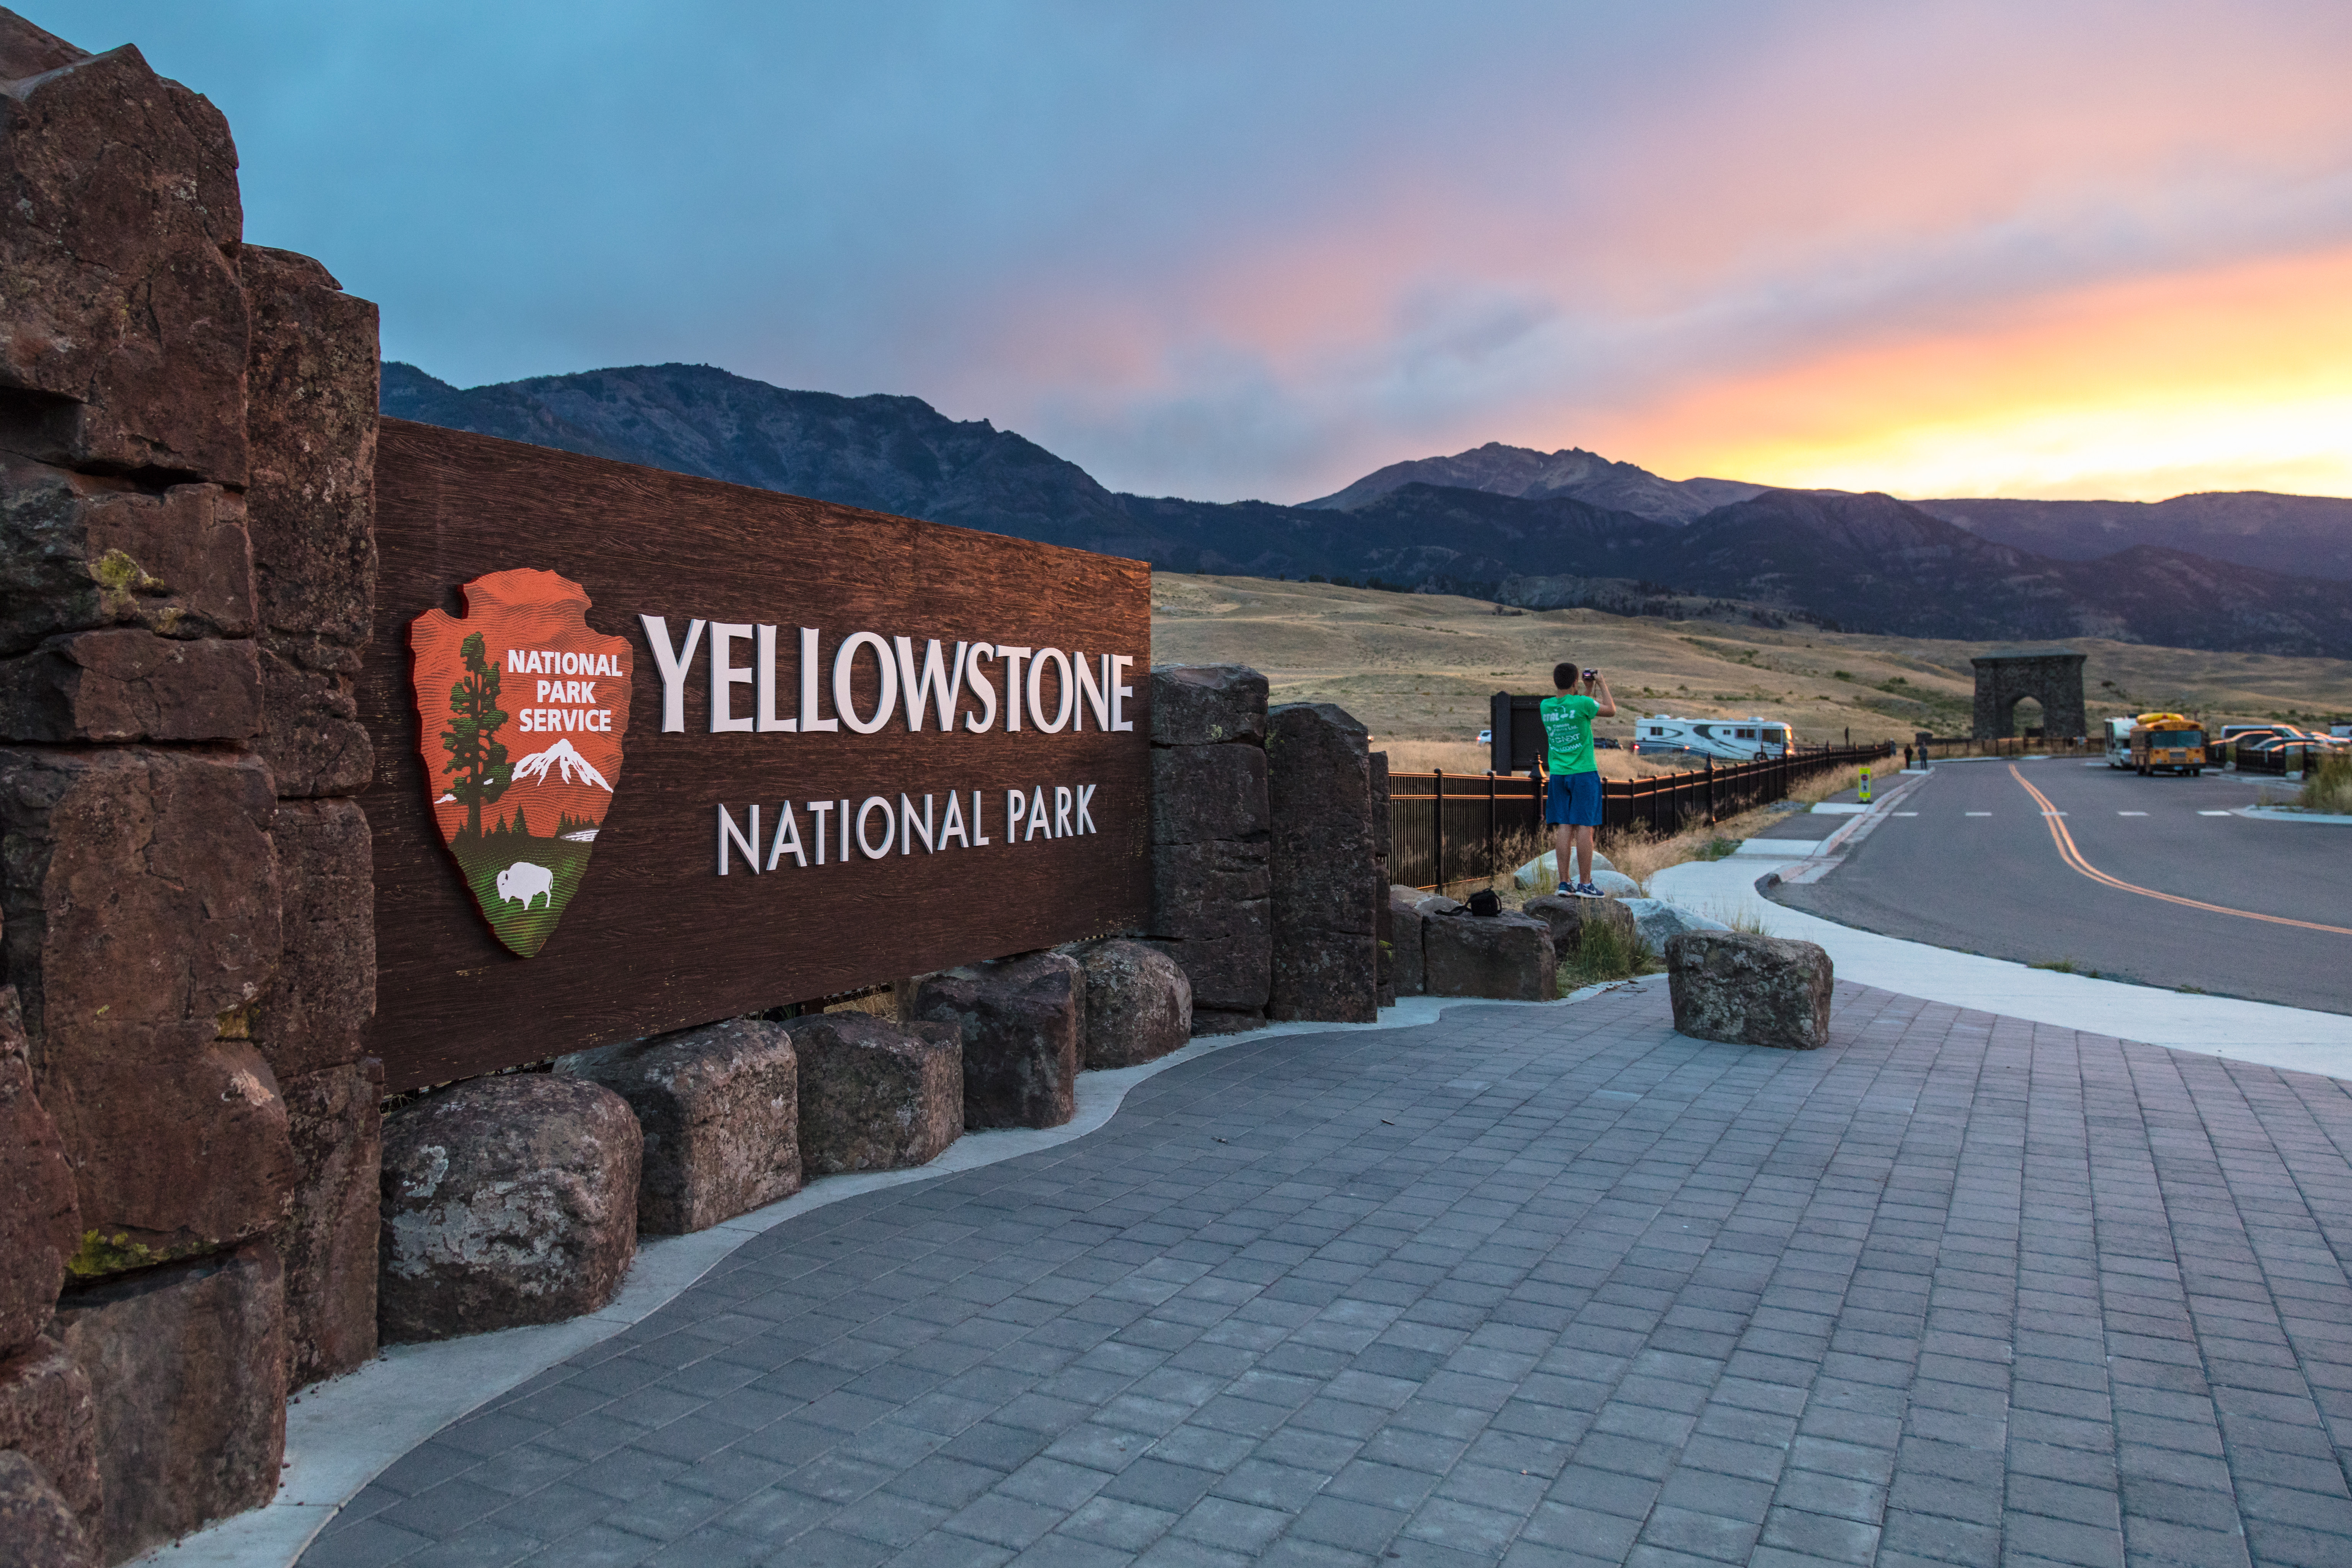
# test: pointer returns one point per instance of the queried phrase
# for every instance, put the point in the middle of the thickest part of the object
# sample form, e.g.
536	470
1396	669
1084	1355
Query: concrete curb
2274	814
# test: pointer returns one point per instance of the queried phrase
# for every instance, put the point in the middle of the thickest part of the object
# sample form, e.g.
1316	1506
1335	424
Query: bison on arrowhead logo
524	707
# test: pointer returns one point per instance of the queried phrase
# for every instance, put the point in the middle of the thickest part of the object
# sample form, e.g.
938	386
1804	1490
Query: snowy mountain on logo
564	761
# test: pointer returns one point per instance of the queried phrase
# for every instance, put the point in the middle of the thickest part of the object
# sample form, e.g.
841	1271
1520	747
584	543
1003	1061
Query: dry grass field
1421	668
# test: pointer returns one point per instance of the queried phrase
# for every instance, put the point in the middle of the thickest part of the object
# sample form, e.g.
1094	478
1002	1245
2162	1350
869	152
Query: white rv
1728	740
2118	740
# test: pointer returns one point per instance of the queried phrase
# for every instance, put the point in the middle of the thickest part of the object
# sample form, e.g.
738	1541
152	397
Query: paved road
1531	1286
1969	863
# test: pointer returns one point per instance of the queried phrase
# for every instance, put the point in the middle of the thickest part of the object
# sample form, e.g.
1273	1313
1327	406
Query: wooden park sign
652	750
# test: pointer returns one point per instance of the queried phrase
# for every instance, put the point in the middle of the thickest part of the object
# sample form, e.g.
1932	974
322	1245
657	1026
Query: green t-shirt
1567	722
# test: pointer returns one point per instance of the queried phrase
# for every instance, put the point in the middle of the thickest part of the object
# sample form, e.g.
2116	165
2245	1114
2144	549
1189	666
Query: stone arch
2051	676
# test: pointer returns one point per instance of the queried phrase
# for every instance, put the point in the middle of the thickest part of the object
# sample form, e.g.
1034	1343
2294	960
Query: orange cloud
2236	377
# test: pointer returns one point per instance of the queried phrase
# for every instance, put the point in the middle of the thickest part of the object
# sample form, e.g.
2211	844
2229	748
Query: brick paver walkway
1527	1285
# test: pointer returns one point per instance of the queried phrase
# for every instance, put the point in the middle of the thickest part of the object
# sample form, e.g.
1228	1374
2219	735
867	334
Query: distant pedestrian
1572	800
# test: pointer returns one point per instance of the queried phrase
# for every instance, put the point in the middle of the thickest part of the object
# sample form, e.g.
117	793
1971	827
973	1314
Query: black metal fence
2292	758
1448	827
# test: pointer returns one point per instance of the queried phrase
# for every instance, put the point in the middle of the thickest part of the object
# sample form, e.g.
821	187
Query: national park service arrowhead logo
524	708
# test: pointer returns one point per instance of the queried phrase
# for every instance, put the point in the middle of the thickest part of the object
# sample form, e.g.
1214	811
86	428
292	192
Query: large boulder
1657	919
186	1366
1507	957
1138	1003
328	1243
1319	795
46	1414
720	1107
1571	918
40	1224
1405	921
1207	704
876	1096
1751	990
1018	1019
506	1200
36	1528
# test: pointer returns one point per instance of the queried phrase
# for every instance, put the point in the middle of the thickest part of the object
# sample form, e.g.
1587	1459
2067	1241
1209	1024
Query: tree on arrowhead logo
523	709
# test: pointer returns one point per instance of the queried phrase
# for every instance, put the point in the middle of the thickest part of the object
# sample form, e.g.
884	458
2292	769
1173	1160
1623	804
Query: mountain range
2251	573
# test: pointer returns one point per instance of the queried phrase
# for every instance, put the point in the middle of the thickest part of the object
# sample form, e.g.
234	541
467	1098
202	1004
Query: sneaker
1586	890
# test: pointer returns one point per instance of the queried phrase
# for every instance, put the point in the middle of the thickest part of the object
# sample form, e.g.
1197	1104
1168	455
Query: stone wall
188	428
1268	875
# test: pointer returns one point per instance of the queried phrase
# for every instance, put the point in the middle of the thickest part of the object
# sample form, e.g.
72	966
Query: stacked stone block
1325	900
1211	883
49	1424
1384	913
186	577
311	425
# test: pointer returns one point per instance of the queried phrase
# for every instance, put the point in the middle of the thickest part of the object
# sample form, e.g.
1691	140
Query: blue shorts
1573	799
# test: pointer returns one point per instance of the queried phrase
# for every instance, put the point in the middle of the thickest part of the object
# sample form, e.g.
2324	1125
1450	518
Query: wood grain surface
655	939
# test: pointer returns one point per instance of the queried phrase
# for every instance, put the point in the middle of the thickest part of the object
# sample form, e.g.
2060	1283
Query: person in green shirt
1572	800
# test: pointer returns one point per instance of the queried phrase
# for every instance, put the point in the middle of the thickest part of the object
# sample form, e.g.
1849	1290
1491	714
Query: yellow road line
2074	856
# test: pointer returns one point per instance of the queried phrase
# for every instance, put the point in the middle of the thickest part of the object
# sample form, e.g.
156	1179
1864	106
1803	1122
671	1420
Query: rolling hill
2298	535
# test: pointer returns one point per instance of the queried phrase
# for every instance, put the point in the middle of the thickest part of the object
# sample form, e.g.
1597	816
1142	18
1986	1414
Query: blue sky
1227	250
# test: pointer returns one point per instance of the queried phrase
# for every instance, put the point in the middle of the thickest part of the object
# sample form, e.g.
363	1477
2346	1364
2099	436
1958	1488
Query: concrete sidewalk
1532	1285
2290	1037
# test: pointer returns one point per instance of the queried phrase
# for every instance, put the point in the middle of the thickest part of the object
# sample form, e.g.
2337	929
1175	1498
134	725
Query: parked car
1486	737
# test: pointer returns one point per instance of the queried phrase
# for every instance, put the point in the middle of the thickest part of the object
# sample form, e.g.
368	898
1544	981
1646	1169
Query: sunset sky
1226	250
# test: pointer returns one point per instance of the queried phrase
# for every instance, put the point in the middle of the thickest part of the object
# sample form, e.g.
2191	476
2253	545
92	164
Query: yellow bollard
1866	786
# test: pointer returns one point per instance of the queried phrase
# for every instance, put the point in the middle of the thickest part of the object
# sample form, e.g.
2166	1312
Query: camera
1591	675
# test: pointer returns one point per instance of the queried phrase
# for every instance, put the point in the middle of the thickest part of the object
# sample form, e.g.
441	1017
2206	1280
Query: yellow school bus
2167	742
